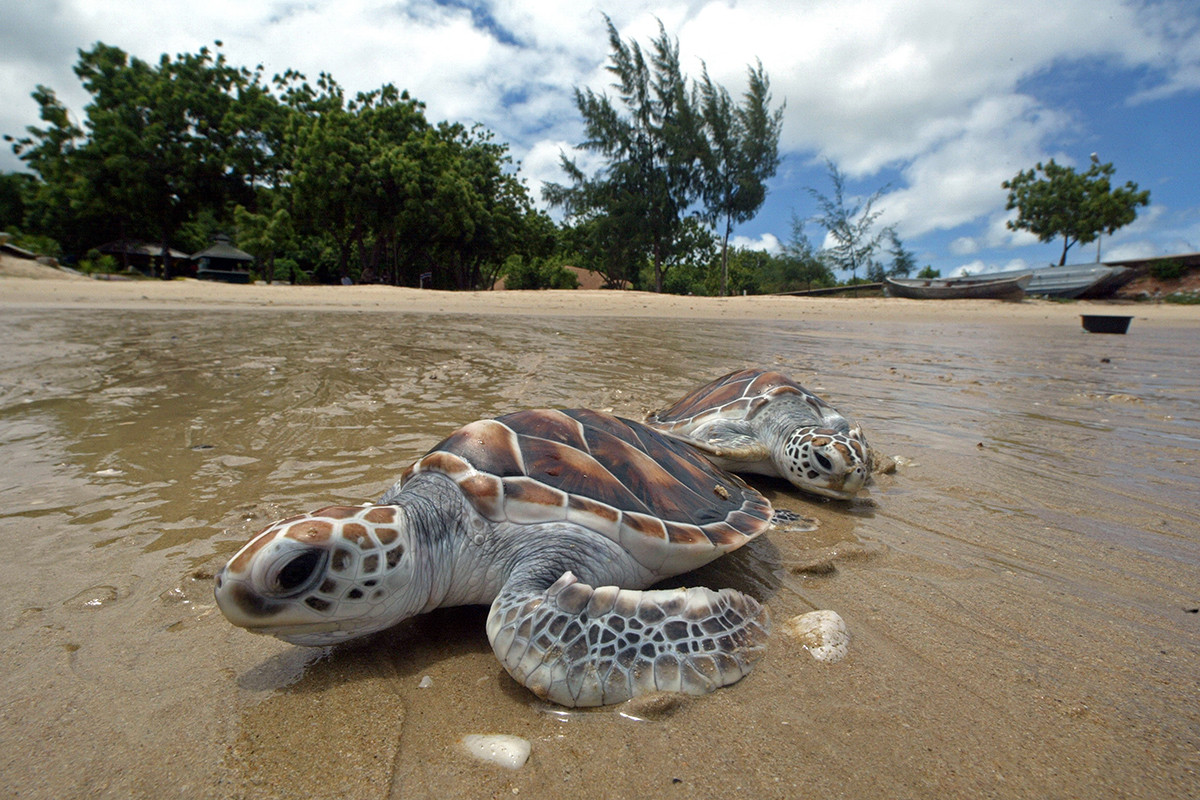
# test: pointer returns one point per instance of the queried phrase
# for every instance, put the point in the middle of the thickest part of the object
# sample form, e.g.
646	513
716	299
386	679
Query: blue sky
937	100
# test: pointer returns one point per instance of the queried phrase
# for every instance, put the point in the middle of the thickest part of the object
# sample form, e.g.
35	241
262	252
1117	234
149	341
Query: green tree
265	236
696	259
903	260
800	267
605	247
852	227
51	204
538	273
353	167
396	197
160	142
502	220
1053	200
364	188
742	153
652	152
738	271
15	189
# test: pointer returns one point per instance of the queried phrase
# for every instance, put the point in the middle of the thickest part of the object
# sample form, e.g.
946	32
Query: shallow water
1022	593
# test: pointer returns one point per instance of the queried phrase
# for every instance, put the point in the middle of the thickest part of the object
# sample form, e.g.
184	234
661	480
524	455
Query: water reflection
128	430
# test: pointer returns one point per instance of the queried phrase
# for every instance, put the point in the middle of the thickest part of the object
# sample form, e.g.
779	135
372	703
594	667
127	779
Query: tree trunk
725	259
658	283
166	259
124	249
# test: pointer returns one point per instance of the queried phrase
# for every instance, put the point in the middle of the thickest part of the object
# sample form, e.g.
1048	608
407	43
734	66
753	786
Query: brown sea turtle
763	422
555	518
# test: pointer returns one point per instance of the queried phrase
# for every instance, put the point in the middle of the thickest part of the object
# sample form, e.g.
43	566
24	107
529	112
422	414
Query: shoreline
189	294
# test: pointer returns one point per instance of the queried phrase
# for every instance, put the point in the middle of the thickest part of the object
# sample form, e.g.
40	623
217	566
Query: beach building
145	257
223	262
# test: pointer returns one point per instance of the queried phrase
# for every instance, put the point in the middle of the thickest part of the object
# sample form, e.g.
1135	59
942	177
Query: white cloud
767	242
960	178
540	164
970	268
873	82
964	246
935	92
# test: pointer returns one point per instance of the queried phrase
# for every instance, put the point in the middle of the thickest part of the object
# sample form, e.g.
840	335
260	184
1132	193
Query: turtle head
828	462
324	577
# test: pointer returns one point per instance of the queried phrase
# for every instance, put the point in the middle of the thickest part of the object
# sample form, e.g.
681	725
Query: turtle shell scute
629	482
738	395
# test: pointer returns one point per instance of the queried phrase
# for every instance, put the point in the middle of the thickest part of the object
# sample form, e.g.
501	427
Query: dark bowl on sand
1105	323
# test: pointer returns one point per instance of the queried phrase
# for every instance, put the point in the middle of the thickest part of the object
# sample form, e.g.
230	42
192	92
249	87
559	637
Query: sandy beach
1021	593
26	284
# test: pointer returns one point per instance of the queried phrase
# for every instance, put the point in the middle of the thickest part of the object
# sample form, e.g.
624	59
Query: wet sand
1022	594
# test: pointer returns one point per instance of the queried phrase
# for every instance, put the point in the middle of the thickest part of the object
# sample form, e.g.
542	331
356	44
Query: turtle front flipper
731	439
581	646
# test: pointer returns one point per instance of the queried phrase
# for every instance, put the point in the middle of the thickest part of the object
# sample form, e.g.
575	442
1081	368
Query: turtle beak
262	589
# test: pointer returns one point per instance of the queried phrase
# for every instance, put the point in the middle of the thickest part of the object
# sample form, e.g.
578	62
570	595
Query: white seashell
426	682
823	634
506	751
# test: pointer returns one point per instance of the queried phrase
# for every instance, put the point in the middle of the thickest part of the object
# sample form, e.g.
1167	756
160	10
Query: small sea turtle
766	423
555	518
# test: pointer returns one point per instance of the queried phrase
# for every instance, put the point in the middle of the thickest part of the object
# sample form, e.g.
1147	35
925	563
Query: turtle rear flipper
582	646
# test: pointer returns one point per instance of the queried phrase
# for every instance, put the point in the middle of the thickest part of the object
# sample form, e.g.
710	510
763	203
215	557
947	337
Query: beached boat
1079	280
1007	288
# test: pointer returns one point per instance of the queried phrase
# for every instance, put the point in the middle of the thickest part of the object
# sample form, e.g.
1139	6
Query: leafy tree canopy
667	145
741	153
851	226
1053	200
363	187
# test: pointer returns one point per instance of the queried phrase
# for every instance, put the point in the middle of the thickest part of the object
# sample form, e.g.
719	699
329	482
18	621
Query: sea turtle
763	422
555	518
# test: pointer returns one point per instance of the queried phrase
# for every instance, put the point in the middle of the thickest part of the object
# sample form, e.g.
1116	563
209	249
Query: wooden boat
1006	288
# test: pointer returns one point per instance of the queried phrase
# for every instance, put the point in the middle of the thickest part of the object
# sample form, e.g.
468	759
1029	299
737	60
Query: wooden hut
145	257
223	262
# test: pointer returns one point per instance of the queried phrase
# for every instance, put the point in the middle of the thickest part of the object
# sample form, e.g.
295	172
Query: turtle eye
825	463
296	572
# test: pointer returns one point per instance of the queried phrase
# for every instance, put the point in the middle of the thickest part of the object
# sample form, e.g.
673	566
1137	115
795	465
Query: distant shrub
537	274
39	245
928	273
1183	298
95	262
286	269
1167	270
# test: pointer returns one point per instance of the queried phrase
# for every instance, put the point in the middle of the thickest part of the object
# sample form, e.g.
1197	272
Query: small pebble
823	634
509	752
426	682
